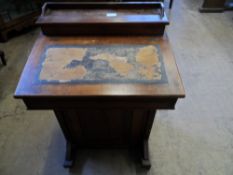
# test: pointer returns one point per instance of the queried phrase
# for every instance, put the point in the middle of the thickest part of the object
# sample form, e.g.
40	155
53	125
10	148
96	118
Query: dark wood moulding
102	18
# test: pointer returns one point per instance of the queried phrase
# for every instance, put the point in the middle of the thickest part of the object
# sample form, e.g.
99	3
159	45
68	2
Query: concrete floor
194	139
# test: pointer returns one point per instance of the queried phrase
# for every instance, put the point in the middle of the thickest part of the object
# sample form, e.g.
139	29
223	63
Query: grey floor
194	139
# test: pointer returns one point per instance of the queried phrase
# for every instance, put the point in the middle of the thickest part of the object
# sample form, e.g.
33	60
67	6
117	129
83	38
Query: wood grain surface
103	18
29	86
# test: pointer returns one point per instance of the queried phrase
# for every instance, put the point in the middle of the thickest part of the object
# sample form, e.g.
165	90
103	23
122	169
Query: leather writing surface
102	63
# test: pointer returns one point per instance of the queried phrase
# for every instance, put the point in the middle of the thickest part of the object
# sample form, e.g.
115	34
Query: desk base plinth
111	128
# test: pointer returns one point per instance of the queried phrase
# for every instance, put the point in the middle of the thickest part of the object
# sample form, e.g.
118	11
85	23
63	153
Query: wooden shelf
127	18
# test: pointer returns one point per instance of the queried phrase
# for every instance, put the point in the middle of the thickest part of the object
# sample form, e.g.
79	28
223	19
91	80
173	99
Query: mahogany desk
102	114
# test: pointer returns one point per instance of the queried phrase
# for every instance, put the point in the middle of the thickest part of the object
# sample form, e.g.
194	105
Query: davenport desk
104	91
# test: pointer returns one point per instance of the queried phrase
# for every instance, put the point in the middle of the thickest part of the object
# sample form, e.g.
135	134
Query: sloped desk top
103	66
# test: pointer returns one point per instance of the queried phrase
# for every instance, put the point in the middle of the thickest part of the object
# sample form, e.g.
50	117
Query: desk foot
145	155
146	164
70	155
